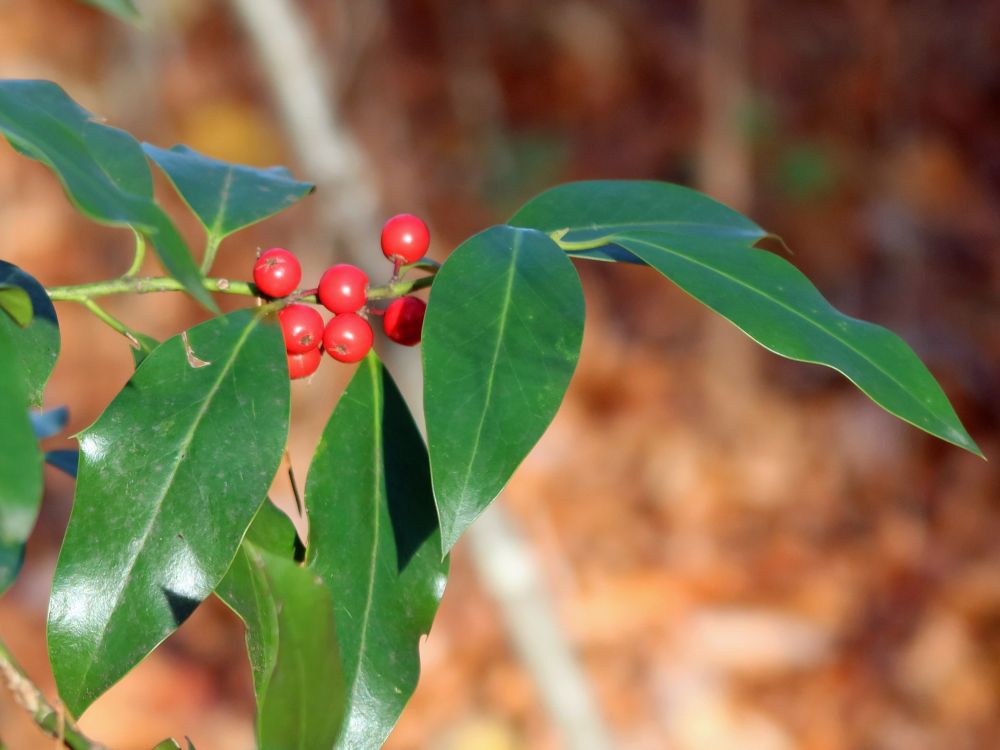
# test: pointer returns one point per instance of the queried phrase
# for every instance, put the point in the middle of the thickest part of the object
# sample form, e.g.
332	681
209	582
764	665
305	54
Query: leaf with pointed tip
773	303
20	464
124	9
291	638
374	540
102	169
142	347
227	197
590	210
37	344
500	342
157	517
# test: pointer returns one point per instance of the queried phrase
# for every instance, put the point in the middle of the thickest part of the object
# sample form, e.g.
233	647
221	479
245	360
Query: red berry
347	337
303	365
405	238
343	288
404	319
277	272
302	327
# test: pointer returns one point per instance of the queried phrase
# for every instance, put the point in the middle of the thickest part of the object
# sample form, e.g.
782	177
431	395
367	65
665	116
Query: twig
30	698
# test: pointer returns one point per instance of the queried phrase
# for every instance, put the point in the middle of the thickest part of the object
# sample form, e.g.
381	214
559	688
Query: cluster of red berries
343	290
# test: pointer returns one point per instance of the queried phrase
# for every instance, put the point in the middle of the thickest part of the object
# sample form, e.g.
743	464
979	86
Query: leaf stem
108	318
30	698
140	254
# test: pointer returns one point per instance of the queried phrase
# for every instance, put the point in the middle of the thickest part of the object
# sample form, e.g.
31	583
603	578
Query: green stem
211	248
30	698
140	254
144	285
108	318
84	293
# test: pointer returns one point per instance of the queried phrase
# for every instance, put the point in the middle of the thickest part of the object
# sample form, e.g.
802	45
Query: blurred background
734	550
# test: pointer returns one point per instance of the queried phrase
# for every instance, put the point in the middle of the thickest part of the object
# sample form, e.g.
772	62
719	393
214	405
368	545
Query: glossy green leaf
142	347
20	464
102	169
16	303
587	212
170	476
773	303
291	638
374	540
36	346
124	9
501	340
227	197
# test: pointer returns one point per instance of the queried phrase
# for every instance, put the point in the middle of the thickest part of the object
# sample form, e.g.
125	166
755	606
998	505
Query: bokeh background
739	552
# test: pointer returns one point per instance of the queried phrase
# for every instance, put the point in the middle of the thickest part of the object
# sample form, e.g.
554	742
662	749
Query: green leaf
16	303
37	344
374	540
774	304
596	210
170	477
707	249
102	169
124	9
227	197
501	340
20	465
291	638
142	347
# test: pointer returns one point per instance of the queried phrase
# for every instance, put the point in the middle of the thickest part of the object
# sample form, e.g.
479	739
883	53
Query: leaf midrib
377	399
185	444
794	311
491	378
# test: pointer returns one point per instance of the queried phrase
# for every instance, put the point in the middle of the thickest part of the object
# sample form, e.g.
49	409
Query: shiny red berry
343	288
404	319
302	327
405	238
277	272
347	337
303	365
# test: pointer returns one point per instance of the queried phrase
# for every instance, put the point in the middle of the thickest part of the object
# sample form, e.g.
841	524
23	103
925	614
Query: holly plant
171	502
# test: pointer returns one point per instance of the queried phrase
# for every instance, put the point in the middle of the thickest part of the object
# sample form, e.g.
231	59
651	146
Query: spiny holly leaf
771	301
36	345
102	169
20	464
157	518
374	540
501	340
16	303
227	197
584	213
124	9
291	638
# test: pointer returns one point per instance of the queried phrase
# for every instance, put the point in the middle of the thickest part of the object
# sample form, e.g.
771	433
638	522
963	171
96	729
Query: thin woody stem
30	698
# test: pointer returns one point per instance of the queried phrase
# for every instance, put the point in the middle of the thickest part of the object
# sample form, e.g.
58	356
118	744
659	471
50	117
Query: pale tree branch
30	698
